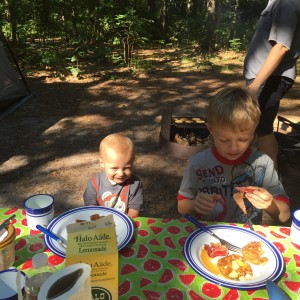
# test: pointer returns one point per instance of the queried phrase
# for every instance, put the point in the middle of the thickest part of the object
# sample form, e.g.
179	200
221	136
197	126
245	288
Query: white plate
124	226
238	236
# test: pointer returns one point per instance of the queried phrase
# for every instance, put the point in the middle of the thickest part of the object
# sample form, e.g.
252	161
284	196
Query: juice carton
95	243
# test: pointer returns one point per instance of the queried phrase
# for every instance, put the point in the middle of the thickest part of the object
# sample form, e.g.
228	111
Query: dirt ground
50	144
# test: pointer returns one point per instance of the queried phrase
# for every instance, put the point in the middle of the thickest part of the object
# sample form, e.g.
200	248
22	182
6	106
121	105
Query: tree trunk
45	19
10	13
193	7
234	20
74	21
151	7
165	19
127	51
211	10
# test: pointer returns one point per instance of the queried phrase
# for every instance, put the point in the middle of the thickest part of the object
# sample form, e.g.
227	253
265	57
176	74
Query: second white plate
238	236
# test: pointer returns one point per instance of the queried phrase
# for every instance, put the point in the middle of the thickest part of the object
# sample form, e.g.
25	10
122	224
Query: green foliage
179	32
142	66
101	53
74	68
78	53
113	31
49	58
117	59
131	31
116	41
235	45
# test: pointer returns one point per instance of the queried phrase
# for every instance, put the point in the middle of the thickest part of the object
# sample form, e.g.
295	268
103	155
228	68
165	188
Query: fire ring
183	136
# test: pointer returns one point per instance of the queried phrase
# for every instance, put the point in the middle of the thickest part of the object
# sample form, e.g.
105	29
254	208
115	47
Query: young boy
214	175
116	186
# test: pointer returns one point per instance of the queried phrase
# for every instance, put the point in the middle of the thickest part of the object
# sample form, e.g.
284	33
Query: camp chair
288	142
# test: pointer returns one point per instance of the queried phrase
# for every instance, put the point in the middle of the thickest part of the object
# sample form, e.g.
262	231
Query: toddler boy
116	187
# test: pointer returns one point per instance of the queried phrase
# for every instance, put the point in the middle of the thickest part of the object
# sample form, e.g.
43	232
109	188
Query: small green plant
116	59
139	65
75	71
235	45
131	31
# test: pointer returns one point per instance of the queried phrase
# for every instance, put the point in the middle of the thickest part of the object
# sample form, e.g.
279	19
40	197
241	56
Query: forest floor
50	144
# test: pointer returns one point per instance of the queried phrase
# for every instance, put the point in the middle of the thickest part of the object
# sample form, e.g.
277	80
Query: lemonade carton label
95	243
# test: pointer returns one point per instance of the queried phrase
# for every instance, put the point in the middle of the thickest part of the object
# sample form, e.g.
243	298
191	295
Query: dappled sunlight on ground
50	144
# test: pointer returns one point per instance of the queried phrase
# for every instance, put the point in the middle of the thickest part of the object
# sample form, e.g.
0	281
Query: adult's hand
254	87
272	61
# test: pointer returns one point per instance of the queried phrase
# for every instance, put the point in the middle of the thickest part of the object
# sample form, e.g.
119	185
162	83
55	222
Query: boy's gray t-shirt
279	23
208	172
120	197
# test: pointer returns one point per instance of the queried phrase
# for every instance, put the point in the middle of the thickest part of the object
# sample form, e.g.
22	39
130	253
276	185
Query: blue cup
295	227
8	284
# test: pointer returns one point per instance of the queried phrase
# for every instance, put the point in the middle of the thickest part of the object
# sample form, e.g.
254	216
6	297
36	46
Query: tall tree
165	17
234	20
44	20
211	10
11	15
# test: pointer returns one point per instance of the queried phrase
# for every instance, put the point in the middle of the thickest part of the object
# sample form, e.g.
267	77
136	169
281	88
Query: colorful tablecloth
153	266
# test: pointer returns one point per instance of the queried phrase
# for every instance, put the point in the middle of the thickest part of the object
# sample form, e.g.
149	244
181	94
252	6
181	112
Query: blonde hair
117	142
234	107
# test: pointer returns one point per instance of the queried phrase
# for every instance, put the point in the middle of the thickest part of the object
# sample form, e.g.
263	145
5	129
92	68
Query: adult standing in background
270	65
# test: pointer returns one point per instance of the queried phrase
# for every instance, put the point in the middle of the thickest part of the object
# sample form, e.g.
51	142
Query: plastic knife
275	292
52	235
6	222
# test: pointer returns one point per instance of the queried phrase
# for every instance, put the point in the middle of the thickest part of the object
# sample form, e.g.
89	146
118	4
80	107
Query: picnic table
153	265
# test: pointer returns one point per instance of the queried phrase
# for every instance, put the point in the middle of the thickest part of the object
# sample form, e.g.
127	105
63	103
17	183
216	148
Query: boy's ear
101	162
208	127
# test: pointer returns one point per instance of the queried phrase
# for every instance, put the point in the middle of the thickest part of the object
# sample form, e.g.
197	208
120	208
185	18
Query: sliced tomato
216	249
248	189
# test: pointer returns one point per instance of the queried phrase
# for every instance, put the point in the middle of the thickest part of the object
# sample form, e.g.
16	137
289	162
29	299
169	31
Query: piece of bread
95	217
235	267
79	221
253	252
239	196
239	199
92	218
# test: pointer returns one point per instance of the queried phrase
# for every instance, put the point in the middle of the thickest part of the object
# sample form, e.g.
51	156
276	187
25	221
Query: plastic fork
250	224
206	229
